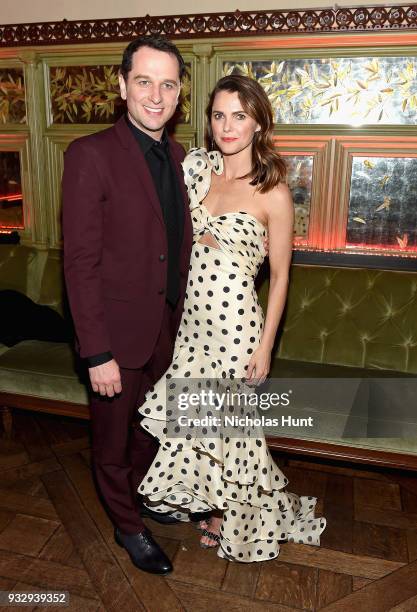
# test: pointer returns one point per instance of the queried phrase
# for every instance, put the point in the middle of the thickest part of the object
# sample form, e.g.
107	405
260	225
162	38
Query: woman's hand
259	365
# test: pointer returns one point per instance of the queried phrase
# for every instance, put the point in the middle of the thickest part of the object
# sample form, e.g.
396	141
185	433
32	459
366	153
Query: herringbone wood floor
54	534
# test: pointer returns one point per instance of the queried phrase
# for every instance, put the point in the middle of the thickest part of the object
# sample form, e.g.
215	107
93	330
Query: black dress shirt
170	198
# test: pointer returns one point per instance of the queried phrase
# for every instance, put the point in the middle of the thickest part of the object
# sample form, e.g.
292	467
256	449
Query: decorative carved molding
28	56
245	23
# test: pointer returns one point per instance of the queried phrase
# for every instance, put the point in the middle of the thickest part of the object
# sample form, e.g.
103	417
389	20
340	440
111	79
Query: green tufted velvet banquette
338	322
350	323
351	317
33	374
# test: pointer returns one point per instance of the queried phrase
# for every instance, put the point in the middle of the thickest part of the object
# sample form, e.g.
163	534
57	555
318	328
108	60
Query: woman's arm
280	211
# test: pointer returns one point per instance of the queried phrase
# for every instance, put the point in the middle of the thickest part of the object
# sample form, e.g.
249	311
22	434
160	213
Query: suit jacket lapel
140	170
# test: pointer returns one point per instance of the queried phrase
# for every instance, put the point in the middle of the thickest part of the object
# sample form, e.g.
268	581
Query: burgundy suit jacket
114	237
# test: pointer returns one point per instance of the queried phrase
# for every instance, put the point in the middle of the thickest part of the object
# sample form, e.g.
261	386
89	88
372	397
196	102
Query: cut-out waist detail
208	239
234	212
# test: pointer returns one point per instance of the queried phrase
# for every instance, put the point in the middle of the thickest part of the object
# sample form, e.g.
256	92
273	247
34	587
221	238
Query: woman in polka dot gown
237	196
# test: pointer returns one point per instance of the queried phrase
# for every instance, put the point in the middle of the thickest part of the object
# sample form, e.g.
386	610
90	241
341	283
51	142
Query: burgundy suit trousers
122	450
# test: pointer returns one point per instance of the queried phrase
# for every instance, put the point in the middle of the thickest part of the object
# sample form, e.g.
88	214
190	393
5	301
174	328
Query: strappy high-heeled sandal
200	517
198	526
212	536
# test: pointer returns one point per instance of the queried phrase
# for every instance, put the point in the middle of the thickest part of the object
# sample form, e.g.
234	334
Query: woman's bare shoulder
278	201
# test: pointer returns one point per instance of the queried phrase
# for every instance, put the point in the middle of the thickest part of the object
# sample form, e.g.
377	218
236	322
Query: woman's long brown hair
268	167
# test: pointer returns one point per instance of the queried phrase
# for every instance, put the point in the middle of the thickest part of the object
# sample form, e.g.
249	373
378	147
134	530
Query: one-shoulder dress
221	326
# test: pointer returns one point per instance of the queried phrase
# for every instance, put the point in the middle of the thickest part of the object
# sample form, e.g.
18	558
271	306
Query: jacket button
161	291
162	258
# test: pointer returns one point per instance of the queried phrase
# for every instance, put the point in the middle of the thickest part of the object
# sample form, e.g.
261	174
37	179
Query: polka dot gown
221	326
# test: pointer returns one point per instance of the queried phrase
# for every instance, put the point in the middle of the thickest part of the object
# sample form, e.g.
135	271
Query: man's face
152	89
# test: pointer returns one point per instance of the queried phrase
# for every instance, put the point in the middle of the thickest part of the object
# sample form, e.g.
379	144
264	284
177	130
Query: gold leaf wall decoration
352	91
12	96
383	203
85	94
299	179
90	94
186	96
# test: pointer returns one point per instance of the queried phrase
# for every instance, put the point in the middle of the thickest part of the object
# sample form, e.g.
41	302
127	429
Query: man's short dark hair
154	42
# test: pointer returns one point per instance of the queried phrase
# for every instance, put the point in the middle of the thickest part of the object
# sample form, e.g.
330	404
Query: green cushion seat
350	317
3	348
333	423
43	370
338	323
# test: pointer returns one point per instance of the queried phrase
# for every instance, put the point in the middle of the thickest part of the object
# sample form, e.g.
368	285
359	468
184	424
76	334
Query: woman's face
232	127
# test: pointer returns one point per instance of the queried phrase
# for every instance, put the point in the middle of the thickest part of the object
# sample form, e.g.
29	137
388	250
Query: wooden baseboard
319	450
341	452
27	402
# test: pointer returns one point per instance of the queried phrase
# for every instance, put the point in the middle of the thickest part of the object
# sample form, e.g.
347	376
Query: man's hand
105	378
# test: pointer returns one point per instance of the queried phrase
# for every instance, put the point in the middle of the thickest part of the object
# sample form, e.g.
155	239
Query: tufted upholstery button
389	312
346	306
162	257
161	291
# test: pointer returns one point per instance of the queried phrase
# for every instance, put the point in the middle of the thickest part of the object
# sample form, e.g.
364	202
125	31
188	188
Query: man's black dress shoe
144	552
164	518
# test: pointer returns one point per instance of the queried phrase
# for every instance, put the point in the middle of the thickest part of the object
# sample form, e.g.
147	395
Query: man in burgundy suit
127	243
